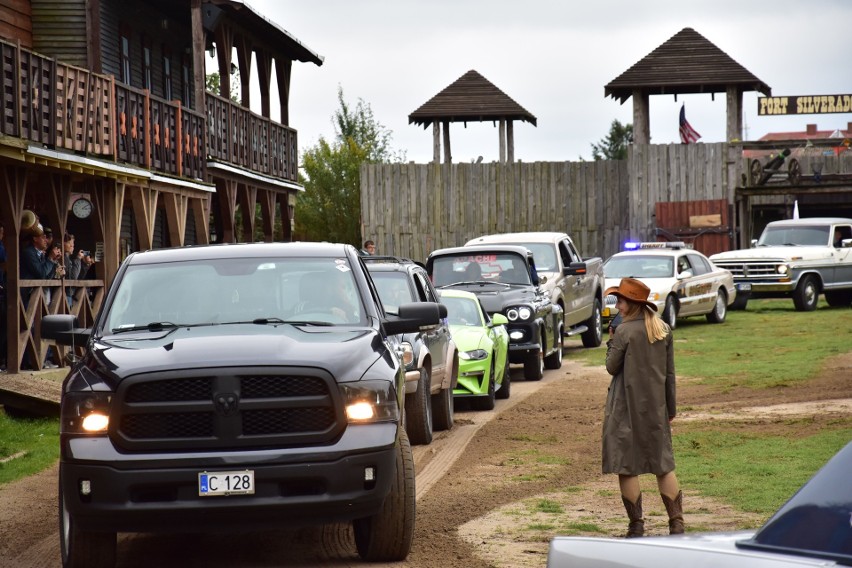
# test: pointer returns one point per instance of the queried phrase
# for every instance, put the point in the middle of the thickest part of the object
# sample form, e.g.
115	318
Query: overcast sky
553	57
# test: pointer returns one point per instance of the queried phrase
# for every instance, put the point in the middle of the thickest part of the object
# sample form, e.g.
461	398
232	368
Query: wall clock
82	208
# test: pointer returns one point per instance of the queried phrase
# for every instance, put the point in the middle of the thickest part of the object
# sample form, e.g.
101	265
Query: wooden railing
61	106
239	136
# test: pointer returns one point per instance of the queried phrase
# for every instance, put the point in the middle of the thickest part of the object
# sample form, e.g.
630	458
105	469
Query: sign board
805	104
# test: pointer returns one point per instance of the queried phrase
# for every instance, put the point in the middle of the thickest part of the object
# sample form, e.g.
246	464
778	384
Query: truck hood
785	253
496	298
344	351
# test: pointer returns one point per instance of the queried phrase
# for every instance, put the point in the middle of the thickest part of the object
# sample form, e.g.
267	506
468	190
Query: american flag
687	133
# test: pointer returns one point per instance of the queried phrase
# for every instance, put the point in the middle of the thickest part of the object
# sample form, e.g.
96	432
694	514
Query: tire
839	298
442	410
594	336
534	367
720	309
740	301
806	295
387	535
418	411
506	386
486	402
670	312
554	360
83	549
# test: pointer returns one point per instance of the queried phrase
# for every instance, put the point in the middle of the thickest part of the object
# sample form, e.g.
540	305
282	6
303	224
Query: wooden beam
176	206
108	199
226	193
641	118
448	154
502	136
199	77
510	141
13	193
282	73
144	200
264	79
201	215
244	50
267	212
247	196
436	142
224	45
734	122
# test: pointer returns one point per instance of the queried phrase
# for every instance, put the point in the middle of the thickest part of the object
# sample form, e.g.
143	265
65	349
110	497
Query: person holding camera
640	405
77	263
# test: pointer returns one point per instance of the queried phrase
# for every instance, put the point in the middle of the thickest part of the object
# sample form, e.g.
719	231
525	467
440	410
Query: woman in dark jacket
640	405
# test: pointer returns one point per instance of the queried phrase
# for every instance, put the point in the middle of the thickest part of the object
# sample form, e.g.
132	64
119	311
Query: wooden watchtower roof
687	63
471	98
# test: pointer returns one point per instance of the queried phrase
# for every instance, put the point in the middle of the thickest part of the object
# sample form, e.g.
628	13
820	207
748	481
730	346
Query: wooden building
104	102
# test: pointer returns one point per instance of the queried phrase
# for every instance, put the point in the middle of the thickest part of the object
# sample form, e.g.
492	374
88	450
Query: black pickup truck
230	387
504	278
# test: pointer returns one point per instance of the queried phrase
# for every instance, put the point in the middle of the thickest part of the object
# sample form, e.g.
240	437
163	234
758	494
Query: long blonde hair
655	328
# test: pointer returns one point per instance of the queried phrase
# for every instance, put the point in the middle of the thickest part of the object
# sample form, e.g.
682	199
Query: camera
85	252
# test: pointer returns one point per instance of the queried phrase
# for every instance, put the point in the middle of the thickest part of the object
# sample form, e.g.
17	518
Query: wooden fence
412	209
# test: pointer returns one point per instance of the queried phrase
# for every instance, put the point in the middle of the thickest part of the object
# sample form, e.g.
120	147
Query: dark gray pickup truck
230	387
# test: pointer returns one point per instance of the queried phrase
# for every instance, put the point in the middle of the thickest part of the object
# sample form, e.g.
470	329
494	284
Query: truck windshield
219	291
816	235
504	268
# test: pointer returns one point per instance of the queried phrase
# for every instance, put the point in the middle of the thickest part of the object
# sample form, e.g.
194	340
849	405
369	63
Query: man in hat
35	264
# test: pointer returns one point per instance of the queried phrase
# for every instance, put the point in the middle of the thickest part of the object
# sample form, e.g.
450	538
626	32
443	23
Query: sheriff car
683	281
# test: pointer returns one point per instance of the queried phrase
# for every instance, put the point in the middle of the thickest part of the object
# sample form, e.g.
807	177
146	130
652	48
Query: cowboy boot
674	507
636	527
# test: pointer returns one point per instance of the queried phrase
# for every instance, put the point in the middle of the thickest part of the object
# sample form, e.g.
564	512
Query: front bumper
473	378
159	492
759	287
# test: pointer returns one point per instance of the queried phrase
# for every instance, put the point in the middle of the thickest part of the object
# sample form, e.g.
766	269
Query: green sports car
483	346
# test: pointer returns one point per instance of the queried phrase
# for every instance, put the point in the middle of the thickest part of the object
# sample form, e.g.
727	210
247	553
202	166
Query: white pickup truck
798	258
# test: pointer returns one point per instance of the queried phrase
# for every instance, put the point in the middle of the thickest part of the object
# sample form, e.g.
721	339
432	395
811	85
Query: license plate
224	483
744	286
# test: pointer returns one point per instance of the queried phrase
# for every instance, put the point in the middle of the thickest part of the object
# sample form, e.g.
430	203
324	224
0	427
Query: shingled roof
686	63
471	98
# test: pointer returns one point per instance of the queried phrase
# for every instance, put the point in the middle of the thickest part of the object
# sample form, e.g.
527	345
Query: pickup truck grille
751	269
225	411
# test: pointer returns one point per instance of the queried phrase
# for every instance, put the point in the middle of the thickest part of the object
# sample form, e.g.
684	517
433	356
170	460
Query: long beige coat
637	437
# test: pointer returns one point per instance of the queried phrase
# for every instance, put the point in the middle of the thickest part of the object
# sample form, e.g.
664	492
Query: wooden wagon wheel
755	172
794	172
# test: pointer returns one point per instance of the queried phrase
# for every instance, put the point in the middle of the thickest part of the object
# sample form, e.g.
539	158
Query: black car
232	387
430	356
505	280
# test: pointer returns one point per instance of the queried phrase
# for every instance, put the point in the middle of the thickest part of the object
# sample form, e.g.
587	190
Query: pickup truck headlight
370	401
86	412
522	313
475	355
782	269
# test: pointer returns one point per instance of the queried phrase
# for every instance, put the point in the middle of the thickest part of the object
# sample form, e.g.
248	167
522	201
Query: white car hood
765	253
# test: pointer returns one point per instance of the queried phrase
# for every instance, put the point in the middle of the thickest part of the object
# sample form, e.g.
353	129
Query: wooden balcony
60	106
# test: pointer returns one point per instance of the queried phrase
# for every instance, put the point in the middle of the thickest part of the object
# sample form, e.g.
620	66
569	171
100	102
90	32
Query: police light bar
632	245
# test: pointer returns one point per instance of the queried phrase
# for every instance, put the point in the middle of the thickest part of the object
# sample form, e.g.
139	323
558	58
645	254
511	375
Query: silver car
814	528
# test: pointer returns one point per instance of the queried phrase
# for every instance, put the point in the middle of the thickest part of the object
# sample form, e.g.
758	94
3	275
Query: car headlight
782	269
370	401
86	412
407	353
475	355
653	296
522	313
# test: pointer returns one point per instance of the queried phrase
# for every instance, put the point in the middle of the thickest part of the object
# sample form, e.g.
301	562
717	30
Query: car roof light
655	245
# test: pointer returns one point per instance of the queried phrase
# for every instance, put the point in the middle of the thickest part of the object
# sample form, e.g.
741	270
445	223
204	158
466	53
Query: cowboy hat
632	290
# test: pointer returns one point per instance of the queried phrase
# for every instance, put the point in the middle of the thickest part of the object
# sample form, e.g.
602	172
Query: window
167	74
146	62
124	53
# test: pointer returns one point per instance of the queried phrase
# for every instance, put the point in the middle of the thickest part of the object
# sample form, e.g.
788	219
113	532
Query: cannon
759	174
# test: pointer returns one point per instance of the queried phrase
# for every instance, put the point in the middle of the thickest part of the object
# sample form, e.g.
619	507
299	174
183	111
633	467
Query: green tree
330	207
614	146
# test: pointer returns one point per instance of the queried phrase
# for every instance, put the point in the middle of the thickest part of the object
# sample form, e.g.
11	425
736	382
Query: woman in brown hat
640	405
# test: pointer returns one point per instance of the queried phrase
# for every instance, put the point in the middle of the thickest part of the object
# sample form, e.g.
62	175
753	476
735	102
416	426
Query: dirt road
477	485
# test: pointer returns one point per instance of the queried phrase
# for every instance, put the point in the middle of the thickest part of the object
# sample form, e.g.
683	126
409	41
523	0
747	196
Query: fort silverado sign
807	104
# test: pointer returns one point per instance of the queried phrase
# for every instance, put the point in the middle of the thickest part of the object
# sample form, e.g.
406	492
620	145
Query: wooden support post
226	191
448	154
267	213
144	200
198	70
734	122
13	193
641	120
247	197
436	142
502	135
201	215
510	141
108	199
176	206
